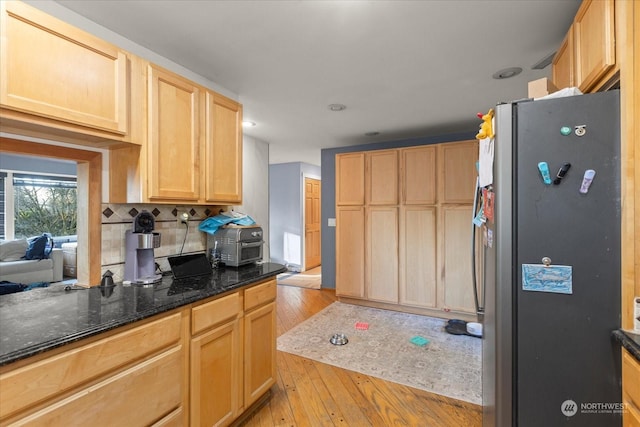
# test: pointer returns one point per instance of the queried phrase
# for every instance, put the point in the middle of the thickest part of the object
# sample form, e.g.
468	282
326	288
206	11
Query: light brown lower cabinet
381	274
133	377
630	390
418	256
201	365
455	280
216	361
260	354
350	251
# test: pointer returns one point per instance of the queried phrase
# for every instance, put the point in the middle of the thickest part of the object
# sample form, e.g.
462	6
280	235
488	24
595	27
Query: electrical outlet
182	217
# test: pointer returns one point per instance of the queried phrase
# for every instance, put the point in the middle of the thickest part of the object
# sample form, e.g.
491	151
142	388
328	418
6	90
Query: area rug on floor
303	280
380	345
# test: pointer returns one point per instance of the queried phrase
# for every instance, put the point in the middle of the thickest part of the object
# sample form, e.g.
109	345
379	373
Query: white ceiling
402	68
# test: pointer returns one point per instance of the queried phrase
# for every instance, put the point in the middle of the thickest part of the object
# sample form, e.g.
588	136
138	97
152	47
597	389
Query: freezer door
497	346
563	340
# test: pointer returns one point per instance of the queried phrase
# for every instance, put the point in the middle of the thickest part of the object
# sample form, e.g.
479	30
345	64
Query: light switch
332	222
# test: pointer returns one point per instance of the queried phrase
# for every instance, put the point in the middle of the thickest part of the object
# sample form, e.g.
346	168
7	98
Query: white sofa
17	270
32	271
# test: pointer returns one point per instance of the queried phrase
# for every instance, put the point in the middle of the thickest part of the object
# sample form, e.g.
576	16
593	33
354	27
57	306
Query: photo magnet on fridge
541	278
489	197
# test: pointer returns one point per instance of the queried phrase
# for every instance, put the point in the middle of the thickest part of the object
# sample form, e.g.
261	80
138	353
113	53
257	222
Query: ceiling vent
544	62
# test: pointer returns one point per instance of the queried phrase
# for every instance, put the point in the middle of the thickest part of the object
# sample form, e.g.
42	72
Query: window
35	203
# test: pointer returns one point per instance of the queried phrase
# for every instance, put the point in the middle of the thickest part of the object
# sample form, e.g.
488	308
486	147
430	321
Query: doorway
312	245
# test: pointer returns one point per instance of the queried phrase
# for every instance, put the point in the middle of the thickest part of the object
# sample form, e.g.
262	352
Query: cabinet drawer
631	378
211	313
260	294
34	383
138	396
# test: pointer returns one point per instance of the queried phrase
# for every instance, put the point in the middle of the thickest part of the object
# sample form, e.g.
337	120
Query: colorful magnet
581	130
543	167
488	197
565	130
561	173
589	174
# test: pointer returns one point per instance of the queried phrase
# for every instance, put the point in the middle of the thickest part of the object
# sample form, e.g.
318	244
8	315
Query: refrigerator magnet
489	199
543	167
589	174
561	173
555	279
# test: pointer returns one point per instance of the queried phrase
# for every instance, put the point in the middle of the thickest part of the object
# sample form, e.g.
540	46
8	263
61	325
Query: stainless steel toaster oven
236	246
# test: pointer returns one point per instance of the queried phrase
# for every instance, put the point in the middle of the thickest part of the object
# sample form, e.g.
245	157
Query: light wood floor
310	393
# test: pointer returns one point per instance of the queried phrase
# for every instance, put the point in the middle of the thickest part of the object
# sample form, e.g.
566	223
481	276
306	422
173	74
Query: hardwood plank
310	393
313	405
351	411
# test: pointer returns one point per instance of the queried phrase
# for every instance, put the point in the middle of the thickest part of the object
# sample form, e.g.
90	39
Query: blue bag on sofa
40	247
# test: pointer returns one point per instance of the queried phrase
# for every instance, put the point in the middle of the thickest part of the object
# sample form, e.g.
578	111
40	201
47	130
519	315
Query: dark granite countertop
630	341
45	318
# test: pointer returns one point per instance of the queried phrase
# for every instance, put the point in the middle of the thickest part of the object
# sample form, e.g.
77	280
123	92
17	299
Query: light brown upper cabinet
174	137
350	179
587	56
457	171
594	42
382	177
55	76
562	65
194	147
418	175
223	150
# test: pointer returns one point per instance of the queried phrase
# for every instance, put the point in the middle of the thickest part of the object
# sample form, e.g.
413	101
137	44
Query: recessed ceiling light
374	133
337	107
507	72
248	124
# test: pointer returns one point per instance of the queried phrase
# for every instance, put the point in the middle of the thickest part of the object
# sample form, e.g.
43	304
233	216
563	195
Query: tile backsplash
118	218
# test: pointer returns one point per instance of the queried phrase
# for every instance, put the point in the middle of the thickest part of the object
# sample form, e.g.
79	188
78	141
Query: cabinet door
350	179
456	288
418	246
382	177
223	150
382	254
350	251
51	69
562	65
174	132
216	376
259	352
631	388
457	171
595	42
419	175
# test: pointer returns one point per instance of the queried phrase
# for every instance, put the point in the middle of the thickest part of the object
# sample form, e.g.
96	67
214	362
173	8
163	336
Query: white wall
255	186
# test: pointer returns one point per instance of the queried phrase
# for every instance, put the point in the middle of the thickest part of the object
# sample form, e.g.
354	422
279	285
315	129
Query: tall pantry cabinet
403	219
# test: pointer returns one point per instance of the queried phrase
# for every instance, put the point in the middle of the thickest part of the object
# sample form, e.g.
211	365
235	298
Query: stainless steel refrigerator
551	265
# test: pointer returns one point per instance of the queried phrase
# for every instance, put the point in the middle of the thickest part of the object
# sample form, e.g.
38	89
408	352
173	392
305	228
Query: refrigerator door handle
474	275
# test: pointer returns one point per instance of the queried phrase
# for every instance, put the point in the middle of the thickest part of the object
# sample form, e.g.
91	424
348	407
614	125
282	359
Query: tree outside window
44	204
